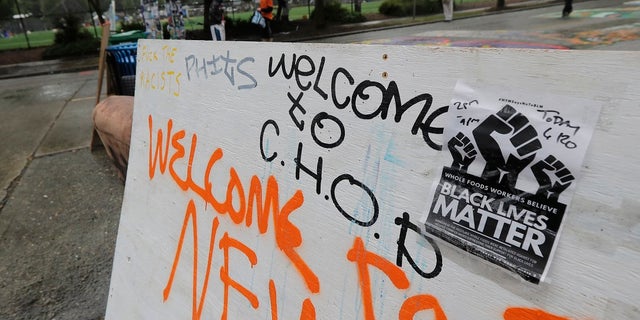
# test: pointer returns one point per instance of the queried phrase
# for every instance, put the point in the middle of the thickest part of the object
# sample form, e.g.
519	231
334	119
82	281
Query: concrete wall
252	193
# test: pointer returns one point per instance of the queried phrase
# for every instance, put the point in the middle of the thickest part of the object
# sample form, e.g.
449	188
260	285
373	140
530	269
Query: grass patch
302	12
36	39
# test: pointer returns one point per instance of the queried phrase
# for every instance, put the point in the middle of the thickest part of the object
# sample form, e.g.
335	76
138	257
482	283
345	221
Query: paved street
60	202
601	25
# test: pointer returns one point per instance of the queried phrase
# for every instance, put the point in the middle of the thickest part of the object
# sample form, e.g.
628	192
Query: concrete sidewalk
44	67
59	202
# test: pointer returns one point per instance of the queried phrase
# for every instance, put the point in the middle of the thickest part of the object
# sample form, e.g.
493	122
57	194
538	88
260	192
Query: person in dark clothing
216	13
216	20
283	11
568	7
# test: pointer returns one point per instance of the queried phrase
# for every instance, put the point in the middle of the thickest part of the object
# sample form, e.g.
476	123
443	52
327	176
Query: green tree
27	6
127	5
63	7
70	30
6	9
319	17
98	9
207	12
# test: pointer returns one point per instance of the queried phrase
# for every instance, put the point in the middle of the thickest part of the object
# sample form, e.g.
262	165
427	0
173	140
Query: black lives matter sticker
512	163
514	230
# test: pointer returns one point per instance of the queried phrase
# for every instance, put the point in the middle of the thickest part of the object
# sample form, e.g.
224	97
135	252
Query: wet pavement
37	68
596	25
60	202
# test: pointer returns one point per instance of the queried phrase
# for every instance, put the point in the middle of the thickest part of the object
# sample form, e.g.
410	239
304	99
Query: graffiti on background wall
249	176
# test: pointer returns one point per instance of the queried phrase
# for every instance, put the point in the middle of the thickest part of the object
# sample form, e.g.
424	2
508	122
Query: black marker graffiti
405	224
357	97
321	121
561	130
273	124
464	105
329	132
375	210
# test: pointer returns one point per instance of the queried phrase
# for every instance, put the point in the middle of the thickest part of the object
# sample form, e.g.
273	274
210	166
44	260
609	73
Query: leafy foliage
71	39
133	25
335	12
392	8
70	30
6	9
68	50
400	8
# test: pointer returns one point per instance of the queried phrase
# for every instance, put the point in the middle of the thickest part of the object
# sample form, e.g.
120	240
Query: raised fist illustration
462	151
508	142
553	177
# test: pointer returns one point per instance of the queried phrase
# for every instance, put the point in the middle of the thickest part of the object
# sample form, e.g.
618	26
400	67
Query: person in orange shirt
266	10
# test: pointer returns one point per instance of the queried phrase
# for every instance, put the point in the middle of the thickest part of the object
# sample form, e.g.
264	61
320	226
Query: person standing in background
283	11
266	10
568	7
447	9
216	19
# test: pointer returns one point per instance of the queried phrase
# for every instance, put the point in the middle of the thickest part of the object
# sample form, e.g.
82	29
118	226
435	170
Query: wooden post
101	62
95	139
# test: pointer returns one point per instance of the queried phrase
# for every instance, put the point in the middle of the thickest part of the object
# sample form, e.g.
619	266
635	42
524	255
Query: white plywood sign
291	181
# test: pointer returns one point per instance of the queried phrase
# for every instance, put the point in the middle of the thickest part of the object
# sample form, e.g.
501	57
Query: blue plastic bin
121	61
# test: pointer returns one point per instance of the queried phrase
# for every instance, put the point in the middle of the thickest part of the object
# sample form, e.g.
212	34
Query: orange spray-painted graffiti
287	235
239	204
164	155
190	215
